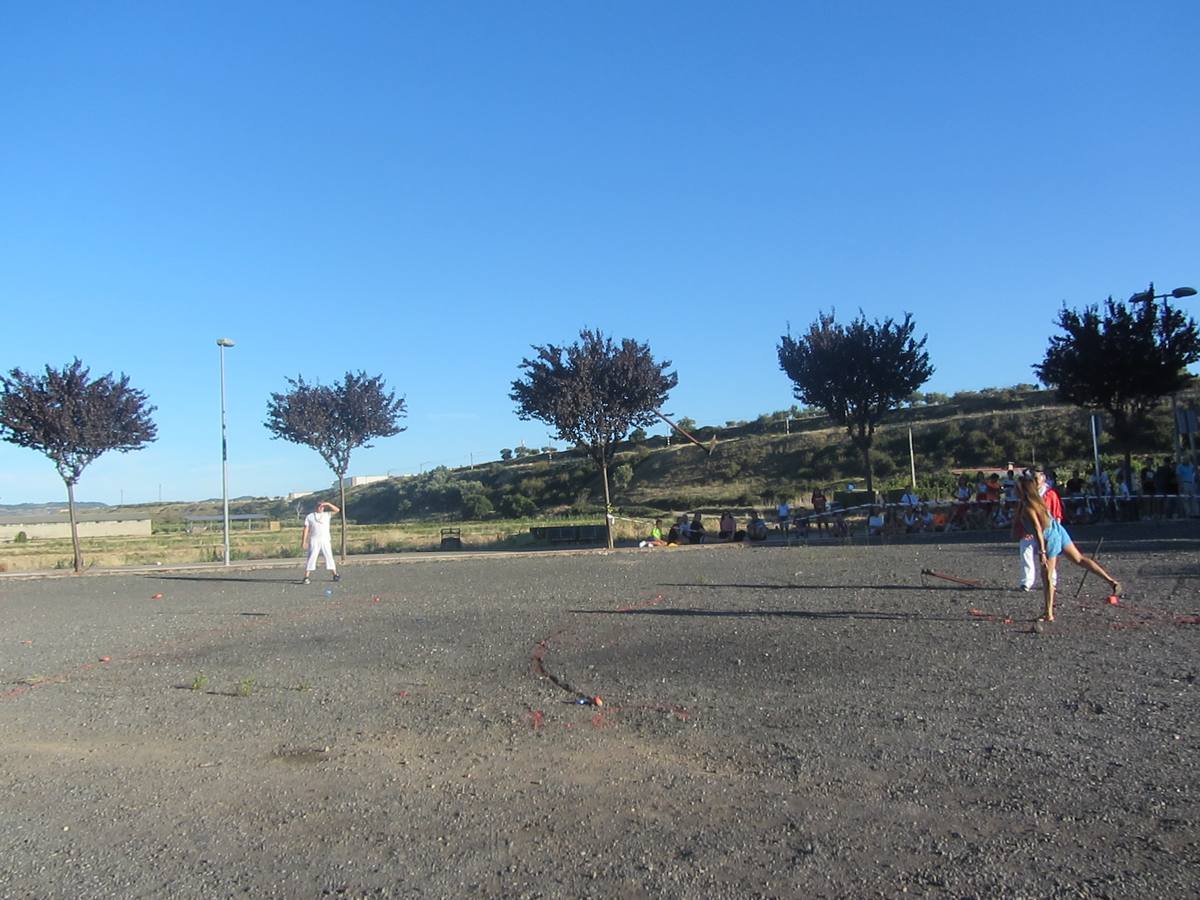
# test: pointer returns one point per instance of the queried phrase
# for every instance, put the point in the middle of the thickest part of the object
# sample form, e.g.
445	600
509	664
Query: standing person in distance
316	539
819	503
1053	542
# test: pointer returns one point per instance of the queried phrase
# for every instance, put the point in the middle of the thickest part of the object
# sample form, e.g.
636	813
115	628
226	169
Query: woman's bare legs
1048	579
1072	553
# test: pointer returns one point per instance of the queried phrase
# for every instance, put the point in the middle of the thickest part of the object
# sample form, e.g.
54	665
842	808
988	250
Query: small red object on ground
156	597
1113	600
106	659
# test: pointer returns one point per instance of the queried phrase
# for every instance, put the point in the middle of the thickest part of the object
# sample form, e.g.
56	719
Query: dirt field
792	722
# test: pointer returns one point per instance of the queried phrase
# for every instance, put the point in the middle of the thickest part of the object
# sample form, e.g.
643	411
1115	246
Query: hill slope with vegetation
781	454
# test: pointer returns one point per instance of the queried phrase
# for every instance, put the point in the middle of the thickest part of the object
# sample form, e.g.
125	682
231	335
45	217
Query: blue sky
424	191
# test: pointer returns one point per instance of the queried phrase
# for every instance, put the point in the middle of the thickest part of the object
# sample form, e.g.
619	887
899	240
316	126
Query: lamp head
224	342
1183	292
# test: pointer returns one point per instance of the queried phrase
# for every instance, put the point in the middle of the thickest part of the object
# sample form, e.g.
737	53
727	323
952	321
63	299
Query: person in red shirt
819	503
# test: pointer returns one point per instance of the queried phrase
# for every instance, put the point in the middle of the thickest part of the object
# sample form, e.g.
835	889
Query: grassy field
181	548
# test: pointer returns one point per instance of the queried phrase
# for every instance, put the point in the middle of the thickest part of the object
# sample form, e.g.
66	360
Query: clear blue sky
425	190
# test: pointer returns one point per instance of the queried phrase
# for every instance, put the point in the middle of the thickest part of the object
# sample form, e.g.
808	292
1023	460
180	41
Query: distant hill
24	509
754	463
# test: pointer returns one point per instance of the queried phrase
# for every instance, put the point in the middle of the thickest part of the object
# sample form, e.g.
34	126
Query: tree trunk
342	488
74	527
607	504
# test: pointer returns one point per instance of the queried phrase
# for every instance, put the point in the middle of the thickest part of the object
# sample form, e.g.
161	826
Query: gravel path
806	721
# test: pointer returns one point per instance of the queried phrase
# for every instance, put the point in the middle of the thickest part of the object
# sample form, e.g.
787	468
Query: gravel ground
804	721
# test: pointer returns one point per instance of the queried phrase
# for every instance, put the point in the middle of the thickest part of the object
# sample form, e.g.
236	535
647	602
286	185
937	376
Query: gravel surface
804	721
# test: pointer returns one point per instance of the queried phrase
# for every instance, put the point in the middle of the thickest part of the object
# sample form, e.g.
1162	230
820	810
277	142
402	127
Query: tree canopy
593	392
336	419
1122	359
857	373
73	419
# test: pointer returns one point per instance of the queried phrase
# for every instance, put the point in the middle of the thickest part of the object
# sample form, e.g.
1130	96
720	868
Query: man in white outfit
316	539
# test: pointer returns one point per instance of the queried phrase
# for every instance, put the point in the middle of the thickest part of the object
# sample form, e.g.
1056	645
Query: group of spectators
694	531
986	501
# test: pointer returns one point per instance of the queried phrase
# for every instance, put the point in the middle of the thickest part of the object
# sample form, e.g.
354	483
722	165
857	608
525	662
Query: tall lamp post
223	343
1148	296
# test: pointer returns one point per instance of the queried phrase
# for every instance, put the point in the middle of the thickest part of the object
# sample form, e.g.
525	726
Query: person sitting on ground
676	535
994	491
696	530
656	536
756	530
1008	485
841	528
980	487
928	519
800	523
727	527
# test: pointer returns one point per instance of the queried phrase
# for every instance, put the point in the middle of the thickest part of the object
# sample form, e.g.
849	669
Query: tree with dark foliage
335	420
592	393
857	373
1122	360
73	420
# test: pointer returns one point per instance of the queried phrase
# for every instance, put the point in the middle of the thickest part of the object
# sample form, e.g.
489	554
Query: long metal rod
963	581
706	448
1095	555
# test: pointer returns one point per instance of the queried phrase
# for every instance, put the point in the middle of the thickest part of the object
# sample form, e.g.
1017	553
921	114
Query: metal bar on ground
963	581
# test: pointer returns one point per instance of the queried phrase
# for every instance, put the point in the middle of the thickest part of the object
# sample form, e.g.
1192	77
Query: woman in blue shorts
1053	542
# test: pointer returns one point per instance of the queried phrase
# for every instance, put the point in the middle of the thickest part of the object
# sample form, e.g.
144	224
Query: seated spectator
875	522
784	516
679	531
928	519
696	530
756	530
656	536
994	491
800	523
940	521
727	527
841	529
911	519
1008	485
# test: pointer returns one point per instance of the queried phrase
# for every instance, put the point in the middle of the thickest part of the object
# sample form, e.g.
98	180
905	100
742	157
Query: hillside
781	454
754	463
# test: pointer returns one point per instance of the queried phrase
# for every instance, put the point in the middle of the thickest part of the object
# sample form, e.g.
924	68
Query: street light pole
223	343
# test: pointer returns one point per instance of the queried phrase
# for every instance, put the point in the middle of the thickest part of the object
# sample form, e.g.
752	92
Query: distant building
296	495
41	526
354	481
